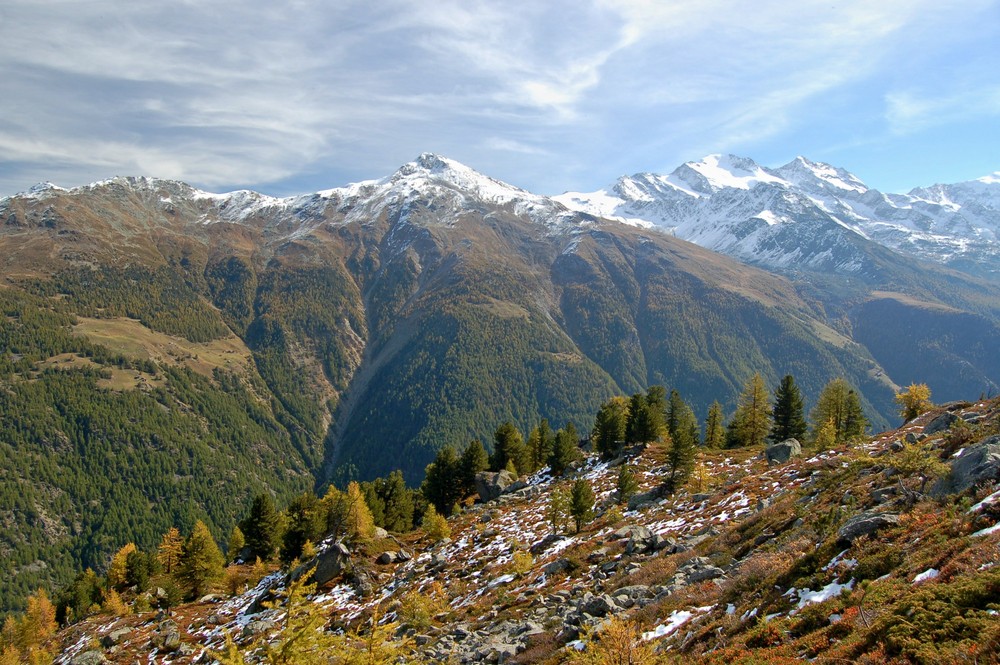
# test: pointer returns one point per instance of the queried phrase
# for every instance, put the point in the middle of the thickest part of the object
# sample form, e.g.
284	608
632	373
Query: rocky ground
885	550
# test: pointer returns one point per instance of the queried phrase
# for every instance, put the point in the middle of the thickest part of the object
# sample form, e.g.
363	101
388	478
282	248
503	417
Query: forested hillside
166	352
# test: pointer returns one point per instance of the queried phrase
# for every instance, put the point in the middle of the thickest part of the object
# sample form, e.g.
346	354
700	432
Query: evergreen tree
169	552
581	503
566	450
139	568
839	403
680	460
609	427
398	501
374	500
443	482
474	460
788	413
540	443
752	420
201	562
508	446
304	522
715	430
627	485
645	418
262	527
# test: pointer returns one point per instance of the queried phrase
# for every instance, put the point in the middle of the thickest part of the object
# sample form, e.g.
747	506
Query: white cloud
910	111
244	93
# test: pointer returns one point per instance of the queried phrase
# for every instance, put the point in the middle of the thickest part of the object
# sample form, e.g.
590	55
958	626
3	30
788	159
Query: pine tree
565	451
201	562
788	413
443	482
169	552
752	420
304	522
474	460
262	527
508	446
645	417
839	404
680	460
581	503
540	443
399	501
715	430
609	427
627	485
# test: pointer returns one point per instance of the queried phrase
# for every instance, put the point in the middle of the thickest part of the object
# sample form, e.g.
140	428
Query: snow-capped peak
728	171
435	170
808	174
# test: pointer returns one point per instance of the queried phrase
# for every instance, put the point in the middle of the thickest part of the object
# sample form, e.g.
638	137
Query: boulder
545	543
780	453
941	423
489	485
597	606
385	558
330	563
865	524
116	636
644	499
557	566
978	464
92	657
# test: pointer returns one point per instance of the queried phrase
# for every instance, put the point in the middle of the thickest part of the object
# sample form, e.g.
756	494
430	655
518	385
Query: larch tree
169	552
913	401
788	413
752	420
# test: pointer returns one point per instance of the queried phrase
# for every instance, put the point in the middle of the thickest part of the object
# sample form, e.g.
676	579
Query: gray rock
865	524
597	606
644	499
632	532
941	423
258	627
780	453
92	657
381	533
330	563
557	566
489	485
978	464
386	558
171	641
545	543
116	636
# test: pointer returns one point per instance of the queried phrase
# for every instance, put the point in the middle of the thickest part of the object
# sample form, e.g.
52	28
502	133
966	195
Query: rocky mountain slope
165	334
807	215
886	552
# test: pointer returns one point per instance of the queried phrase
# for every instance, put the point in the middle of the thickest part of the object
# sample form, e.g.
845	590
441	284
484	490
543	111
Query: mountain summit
804	214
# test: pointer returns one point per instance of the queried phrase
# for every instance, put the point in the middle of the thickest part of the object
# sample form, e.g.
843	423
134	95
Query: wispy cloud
263	94
909	111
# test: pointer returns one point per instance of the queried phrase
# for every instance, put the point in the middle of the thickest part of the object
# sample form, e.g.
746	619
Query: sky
297	96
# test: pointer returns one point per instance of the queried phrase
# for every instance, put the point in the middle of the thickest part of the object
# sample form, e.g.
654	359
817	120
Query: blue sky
292	97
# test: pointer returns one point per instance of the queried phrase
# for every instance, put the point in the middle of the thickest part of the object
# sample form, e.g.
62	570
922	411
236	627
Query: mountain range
181	350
